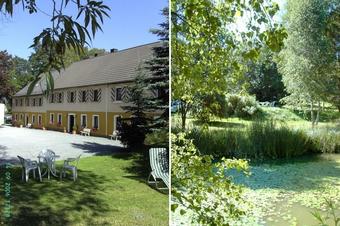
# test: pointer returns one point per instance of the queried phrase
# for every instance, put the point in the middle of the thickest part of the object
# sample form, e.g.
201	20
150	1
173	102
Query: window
52	98
95	95
118	94
33	101
83	121
60	116
72	97
40	101
95	121
21	116
39	119
27	100
16	102
16	117
60	97
21	102
33	119
51	118
83	96
117	122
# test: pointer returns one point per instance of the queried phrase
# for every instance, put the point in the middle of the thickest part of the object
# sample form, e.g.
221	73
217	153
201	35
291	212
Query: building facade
88	94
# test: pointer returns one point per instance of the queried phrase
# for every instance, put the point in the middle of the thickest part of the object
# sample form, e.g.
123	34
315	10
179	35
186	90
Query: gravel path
29	142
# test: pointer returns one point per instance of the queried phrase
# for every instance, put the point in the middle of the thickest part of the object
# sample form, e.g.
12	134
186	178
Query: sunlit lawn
110	190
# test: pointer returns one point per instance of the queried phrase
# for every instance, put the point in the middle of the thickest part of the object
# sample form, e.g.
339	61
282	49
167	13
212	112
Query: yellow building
89	93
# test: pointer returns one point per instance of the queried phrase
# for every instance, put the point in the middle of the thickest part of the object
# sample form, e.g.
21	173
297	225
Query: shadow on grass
54	202
99	149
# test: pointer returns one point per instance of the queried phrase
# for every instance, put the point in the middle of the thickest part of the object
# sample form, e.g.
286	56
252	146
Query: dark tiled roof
110	68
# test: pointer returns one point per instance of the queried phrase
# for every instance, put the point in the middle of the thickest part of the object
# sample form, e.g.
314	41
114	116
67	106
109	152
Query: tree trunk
317	114
183	109
312	113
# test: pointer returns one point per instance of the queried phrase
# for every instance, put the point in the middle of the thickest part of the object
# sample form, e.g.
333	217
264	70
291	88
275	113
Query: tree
158	81
265	82
205	53
21	73
64	33
6	87
133	130
308	59
150	93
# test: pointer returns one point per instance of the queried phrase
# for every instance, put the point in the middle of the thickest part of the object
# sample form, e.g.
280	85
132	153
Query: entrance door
70	123
26	120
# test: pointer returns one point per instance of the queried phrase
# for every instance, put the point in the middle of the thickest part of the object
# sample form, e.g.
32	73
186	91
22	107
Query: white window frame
51	121
39	121
61	118
93	121
33	117
81	120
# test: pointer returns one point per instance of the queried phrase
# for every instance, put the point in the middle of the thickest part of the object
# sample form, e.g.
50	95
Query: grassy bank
110	190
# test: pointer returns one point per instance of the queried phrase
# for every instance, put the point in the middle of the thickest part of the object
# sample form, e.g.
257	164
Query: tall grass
260	140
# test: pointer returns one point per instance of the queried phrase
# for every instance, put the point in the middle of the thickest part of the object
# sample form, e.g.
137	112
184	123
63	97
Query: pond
286	192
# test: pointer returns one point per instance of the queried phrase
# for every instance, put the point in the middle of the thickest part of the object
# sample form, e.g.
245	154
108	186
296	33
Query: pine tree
149	94
157	81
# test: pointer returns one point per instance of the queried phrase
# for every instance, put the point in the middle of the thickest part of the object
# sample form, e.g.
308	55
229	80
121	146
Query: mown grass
110	190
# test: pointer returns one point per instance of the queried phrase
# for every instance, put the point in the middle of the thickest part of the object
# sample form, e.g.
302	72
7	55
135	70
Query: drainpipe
106	107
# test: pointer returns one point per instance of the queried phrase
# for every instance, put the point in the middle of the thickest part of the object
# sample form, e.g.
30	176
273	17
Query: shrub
240	106
132	135
260	140
327	141
159	138
201	187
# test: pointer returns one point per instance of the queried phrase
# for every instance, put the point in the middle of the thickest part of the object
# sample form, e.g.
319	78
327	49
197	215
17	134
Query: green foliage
206	55
201	186
331	214
6	86
242	106
259	140
132	134
327	140
308	62
157	79
265	82
133	130
65	32
158	138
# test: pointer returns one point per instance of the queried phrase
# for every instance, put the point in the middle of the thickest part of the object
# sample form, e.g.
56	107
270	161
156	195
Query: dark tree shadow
63	198
99	149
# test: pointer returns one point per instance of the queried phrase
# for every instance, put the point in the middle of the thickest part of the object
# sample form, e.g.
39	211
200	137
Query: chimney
113	50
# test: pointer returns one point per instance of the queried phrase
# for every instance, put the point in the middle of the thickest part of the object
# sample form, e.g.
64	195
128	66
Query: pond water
285	193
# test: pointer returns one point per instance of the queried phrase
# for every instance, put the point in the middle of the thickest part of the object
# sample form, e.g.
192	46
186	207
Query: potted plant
74	129
94	129
65	130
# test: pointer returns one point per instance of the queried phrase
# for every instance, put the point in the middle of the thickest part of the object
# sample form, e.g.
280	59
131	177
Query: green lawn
110	190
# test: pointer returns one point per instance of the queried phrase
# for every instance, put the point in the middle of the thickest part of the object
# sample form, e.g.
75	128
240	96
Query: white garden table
47	157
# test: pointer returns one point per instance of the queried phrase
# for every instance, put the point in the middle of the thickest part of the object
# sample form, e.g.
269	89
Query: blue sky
128	26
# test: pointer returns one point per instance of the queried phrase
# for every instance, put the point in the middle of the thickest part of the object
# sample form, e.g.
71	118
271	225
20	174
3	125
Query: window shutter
91	95
126	94
99	95
113	94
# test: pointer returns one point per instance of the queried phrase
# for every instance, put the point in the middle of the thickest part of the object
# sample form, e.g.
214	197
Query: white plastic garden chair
159	167
27	166
70	164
